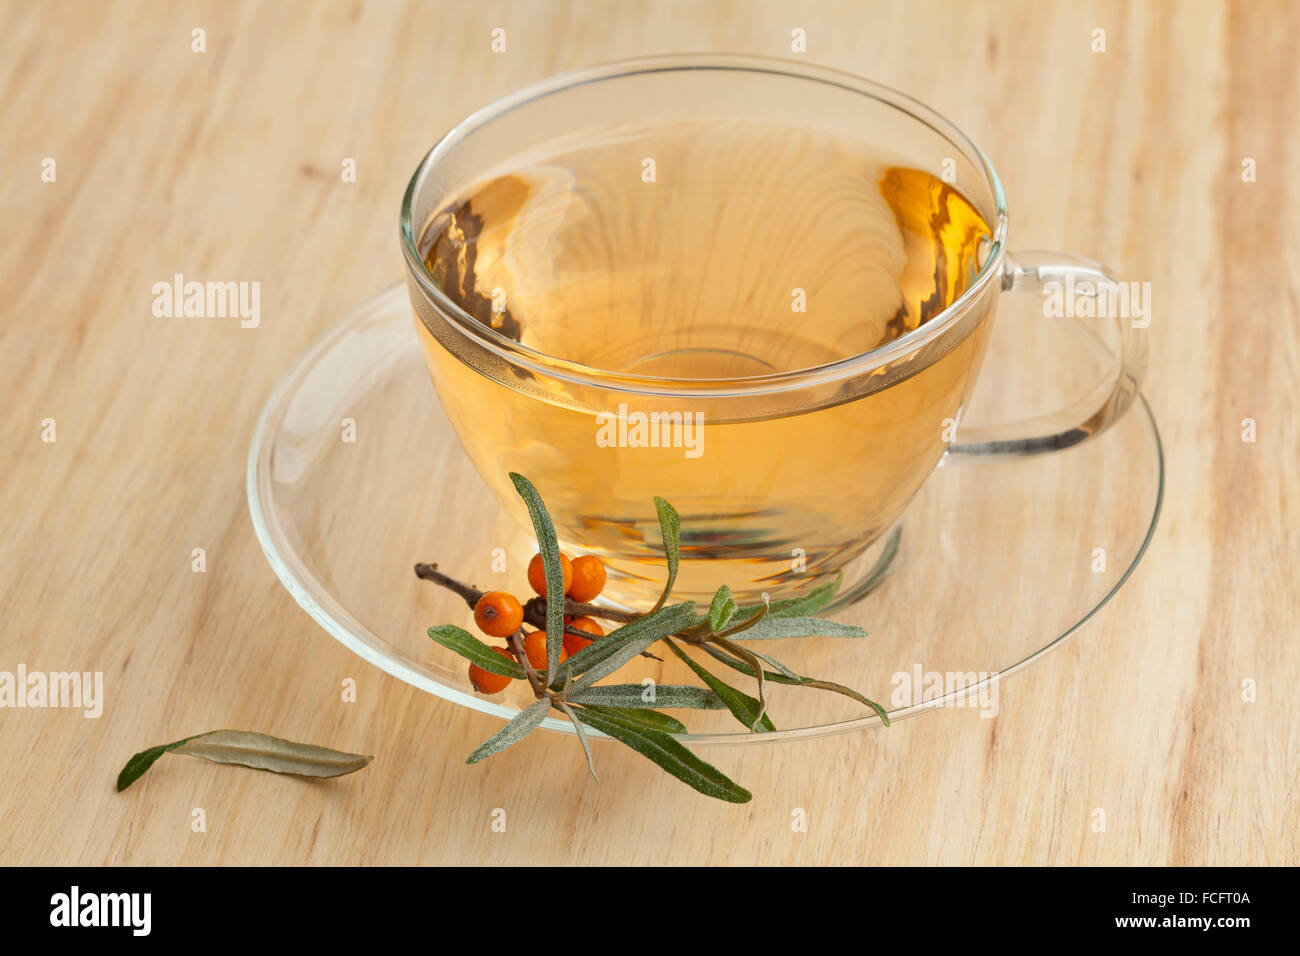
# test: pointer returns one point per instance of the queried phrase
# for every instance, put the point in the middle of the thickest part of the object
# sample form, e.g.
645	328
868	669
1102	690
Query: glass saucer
355	475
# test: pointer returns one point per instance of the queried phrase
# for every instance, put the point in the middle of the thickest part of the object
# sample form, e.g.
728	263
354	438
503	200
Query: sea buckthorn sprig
567	654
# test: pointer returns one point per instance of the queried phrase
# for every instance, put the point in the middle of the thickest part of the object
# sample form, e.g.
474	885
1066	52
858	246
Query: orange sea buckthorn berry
588	578
537	573
573	643
485	682
535	648
498	614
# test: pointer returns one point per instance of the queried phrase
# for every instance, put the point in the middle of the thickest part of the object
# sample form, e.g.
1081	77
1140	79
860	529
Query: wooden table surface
226	163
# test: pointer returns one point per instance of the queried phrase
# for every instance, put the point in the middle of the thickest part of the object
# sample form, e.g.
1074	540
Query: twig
430	572
516	641
534	608
537	606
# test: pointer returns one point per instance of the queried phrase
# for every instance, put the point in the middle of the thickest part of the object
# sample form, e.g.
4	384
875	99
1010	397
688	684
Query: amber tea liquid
692	252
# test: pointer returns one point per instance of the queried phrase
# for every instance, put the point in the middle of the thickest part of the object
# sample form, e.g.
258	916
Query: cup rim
518	354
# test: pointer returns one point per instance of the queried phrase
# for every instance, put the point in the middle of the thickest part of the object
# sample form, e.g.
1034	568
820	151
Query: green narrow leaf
250	749
520	726
601	658
744	668
847	692
665	695
721	609
744	624
752	659
264	752
670	528
773	663
671	756
139	763
549	548
582	736
771	628
475	651
803	606
644	719
744	708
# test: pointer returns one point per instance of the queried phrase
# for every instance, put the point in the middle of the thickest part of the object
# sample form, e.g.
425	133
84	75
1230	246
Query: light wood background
227	164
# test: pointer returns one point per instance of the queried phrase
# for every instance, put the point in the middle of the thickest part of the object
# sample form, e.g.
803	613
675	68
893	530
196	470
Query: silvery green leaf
744	668
671	755
760	674
601	658
772	662
249	749
550	551
264	752
771	628
805	605
744	708
139	763
722	608
665	695
520	726
475	651
644	719
670	527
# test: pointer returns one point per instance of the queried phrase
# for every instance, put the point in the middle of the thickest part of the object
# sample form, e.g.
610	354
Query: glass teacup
759	289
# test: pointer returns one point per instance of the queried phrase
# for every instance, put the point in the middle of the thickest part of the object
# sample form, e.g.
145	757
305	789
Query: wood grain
226	164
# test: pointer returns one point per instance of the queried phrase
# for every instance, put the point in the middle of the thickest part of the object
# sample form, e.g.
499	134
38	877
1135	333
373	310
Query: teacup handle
1105	402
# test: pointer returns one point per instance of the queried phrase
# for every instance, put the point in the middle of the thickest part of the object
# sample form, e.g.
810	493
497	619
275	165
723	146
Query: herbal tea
673	257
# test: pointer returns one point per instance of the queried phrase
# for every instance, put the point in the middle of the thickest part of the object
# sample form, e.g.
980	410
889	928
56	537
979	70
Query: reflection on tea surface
706	250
